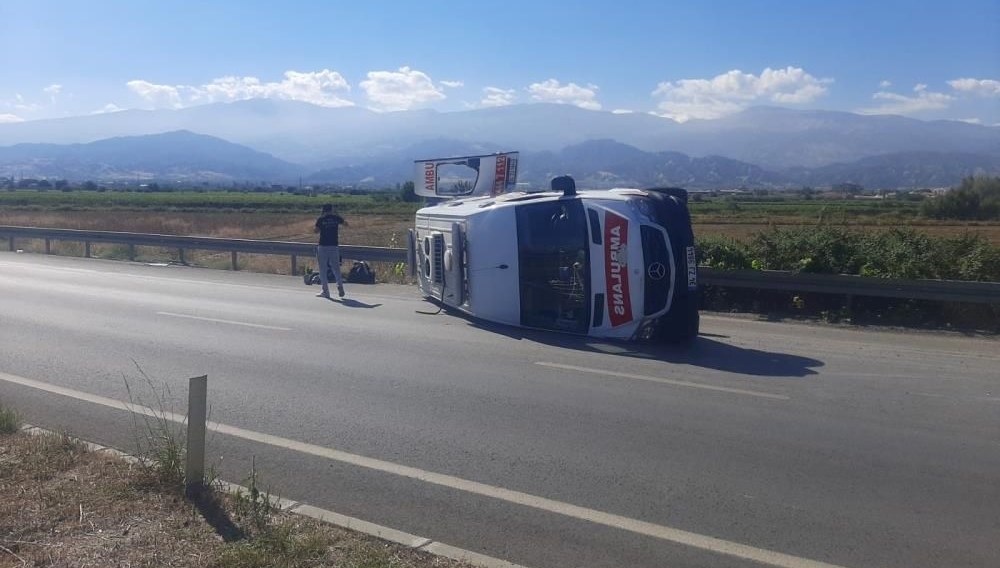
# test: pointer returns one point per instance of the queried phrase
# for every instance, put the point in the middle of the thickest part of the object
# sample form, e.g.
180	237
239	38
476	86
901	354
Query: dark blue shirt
329	229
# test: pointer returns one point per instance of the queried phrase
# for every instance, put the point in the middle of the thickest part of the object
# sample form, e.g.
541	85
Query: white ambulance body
616	263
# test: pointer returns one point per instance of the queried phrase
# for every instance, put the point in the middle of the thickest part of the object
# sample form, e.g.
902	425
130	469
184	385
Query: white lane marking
230	322
670	534
664	381
214	283
956	396
171	279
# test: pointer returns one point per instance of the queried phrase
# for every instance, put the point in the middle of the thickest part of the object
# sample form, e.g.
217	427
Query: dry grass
63	506
370	230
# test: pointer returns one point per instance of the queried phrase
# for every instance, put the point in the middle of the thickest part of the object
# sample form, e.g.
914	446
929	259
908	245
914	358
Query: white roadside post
194	474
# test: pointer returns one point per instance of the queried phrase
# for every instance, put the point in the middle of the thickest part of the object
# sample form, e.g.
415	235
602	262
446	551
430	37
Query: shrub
723	252
9	421
895	253
976	198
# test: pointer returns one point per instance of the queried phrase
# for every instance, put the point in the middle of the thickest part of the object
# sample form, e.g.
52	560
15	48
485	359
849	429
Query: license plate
692	266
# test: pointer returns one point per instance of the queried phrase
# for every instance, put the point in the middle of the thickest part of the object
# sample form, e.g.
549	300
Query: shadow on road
351	303
706	351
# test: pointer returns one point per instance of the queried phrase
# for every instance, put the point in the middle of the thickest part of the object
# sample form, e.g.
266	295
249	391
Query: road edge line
327	516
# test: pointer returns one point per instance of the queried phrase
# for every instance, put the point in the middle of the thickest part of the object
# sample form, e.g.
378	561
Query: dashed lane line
662	380
669	534
230	322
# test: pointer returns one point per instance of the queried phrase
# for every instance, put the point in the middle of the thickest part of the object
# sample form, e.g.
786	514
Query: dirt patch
370	230
62	505
367	230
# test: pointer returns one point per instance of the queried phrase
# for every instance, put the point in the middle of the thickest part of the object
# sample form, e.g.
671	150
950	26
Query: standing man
328	251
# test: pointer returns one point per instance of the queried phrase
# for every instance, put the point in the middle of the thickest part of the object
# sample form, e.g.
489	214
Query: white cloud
400	90
321	88
970	120
453	84
110	107
158	95
551	91
495	97
622	111
22	108
885	84
895	103
734	91
19	105
981	87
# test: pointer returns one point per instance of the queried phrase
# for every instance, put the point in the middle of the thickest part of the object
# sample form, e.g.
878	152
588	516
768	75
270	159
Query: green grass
9	421
198	201
281	546
160	443
728	208
813	210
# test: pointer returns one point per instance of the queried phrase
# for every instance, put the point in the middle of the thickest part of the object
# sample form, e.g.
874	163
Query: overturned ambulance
617	263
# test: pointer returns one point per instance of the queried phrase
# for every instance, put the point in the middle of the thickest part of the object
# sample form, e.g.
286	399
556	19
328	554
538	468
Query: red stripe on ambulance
616	269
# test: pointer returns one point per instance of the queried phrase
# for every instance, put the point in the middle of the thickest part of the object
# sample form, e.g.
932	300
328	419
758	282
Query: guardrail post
234	261
48	247
295	269
180	255
194	471
131	252
86	249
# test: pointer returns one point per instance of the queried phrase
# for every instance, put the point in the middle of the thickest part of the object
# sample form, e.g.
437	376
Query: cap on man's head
327	207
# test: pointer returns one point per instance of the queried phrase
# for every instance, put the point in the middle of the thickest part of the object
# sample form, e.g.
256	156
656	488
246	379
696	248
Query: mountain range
281	141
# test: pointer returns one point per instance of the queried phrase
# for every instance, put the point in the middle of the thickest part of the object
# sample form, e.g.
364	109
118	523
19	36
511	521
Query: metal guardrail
938	290
182	243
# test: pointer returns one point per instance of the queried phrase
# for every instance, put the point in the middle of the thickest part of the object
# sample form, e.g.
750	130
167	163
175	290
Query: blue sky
682	60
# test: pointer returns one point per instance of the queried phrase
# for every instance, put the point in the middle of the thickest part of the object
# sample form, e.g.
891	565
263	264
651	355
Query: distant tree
849	189
909	196
807	192
89	185
62	184
45	184
408	194
974	199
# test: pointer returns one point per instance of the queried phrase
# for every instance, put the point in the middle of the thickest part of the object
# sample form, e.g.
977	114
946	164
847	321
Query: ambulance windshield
554	262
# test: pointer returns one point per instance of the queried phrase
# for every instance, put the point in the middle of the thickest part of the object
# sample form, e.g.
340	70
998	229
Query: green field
811	210
199	201
854	236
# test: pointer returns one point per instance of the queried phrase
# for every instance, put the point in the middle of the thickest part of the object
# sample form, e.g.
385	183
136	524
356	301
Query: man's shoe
324	295
340	291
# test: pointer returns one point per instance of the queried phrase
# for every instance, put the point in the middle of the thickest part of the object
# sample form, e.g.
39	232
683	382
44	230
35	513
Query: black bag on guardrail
361	273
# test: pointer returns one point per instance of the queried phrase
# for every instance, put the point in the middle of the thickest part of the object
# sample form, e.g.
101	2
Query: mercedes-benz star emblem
656	271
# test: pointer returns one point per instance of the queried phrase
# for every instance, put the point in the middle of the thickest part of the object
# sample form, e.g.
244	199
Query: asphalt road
761	444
